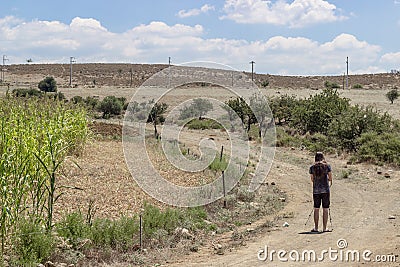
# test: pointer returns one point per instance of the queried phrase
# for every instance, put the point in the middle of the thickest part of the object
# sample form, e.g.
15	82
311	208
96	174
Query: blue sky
294	37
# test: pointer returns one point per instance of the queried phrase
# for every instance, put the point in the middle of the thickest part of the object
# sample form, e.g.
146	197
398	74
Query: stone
49	264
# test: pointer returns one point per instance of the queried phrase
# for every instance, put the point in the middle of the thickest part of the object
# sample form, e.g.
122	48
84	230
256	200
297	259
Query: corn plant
36	136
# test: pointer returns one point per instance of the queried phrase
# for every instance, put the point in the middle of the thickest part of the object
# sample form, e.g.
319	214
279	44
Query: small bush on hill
331	85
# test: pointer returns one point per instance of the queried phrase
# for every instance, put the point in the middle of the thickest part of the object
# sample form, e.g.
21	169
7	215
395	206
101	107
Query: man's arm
312	178
330	177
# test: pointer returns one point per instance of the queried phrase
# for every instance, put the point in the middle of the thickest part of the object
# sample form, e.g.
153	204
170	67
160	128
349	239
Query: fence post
223	187
141	231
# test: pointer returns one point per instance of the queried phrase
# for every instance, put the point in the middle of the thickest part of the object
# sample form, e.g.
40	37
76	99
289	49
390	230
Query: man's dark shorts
324	198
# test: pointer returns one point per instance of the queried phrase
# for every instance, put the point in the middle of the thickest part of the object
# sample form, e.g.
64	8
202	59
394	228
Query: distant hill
133	75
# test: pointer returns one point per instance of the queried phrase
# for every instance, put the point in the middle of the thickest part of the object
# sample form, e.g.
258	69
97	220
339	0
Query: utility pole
169	72
131	72
347	76
252	70
71	60
344	77
3	68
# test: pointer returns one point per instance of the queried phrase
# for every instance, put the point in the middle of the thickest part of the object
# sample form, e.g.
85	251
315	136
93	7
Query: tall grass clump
36	135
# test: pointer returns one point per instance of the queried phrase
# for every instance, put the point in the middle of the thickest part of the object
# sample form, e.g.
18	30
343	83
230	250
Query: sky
285	37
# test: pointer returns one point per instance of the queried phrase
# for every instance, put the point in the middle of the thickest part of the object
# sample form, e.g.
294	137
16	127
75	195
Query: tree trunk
155	129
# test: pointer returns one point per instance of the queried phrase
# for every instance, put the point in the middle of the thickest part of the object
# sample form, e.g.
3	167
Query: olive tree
48	84
156	116
392	95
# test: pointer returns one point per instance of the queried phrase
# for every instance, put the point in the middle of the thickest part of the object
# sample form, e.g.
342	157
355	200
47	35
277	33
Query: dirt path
361	207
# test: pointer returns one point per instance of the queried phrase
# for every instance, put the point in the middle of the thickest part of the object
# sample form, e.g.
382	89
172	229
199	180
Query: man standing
321	176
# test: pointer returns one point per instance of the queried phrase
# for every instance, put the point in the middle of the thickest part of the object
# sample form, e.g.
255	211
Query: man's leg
316	218
325	218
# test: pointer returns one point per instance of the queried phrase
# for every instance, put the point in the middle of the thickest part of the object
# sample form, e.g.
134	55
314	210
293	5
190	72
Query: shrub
331	85
218	164
32	244
48	84
284	139
193	218
110	106
317	112
203	124
357	86
154	219
392	95
379	148
265	83
77	99
243	111
346	128
198	108
59	96
91	102
318	142
117	234
22	92
74	228
282	107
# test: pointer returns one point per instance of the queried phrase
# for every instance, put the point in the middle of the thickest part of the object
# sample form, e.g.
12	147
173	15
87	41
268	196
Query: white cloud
297	14
88	41
195	12
87	24
162	29
391	58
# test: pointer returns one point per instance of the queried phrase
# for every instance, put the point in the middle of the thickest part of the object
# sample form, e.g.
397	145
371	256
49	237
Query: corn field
36	136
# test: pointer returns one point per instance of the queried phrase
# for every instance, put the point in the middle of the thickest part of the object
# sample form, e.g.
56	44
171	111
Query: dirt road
365	213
